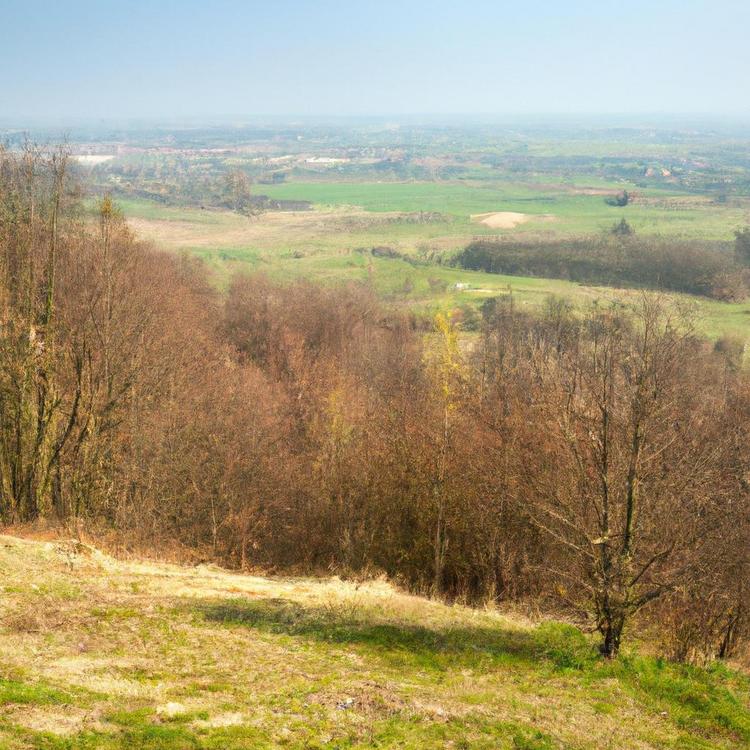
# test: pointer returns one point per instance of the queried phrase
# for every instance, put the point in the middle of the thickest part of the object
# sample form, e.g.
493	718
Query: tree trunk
612	632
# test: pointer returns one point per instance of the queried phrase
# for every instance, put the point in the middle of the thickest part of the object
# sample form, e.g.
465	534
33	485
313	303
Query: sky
212	58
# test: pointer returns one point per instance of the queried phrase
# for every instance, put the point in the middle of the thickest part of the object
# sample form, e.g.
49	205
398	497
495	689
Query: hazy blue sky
214	57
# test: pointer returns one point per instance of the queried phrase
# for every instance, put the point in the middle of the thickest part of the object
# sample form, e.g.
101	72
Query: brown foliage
599	460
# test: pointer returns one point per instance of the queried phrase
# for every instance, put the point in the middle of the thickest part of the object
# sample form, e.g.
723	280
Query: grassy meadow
559	210
108	654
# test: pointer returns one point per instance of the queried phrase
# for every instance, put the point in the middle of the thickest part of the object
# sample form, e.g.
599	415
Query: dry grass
98	652
330	230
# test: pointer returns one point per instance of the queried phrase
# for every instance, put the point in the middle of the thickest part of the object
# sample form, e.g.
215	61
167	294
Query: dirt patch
501	219
507	219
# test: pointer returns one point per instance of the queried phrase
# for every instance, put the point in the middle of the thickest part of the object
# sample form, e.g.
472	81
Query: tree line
593	463
711	269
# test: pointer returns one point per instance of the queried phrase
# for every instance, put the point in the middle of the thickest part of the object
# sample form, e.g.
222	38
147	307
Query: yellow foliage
447	365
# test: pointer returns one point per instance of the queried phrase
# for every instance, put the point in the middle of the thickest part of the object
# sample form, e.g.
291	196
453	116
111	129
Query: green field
566	209
332	246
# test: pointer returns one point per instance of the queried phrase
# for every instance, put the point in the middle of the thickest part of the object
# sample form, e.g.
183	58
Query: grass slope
96	653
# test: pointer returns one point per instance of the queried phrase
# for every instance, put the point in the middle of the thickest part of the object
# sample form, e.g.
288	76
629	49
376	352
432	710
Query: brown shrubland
595	462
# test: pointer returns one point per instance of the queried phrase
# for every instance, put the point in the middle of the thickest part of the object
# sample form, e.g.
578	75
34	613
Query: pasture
554	210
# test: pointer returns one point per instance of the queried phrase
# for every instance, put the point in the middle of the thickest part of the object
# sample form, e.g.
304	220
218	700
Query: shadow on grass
703	702
552	644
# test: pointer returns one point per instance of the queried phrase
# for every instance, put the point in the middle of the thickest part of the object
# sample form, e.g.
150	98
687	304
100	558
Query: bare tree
627	473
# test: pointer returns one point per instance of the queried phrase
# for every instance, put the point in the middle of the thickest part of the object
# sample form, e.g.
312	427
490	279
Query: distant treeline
186	185
695	267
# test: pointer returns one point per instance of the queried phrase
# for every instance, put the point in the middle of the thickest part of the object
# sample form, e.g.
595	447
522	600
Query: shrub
622	229
621	199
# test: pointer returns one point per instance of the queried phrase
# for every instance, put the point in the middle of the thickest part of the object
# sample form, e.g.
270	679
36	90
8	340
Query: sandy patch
501	219
508	219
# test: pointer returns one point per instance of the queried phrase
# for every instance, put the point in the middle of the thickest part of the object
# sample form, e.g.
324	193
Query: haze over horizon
89	60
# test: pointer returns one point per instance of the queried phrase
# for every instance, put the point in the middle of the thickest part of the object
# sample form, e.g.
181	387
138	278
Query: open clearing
101	653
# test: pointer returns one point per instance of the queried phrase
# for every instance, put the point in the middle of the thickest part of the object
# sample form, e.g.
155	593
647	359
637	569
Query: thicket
695	267
596	462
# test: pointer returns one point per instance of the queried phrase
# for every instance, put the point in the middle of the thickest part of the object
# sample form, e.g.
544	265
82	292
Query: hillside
100	653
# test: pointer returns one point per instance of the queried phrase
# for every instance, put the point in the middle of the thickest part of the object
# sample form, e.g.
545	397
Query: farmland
423	192
555	210
422	222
